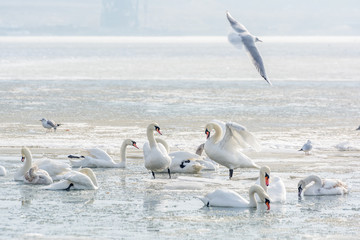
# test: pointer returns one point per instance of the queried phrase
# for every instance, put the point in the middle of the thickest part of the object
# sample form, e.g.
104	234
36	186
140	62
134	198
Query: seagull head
258	40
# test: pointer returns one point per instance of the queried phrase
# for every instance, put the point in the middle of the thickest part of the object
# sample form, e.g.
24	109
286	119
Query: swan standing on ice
181	161
37	176
84	179
273	185
321	187
243	37
55	169
2	171
98	158
49	124
225	148
155	155
306	147
229	198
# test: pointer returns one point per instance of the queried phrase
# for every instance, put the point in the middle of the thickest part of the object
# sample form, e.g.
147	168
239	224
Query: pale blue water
104	90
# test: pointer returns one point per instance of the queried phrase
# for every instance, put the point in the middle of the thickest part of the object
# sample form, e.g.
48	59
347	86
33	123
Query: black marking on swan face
182	165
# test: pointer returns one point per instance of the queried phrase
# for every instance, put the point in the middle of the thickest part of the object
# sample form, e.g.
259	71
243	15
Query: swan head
155	127
265	172
208	128
267	203
207	132
301	186
24	151
131	142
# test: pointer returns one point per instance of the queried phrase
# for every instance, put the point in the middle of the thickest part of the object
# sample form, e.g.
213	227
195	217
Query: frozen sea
106	89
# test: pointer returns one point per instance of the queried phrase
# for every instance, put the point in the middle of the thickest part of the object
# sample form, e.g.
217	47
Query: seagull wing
51	123
238	27
235	39
254	55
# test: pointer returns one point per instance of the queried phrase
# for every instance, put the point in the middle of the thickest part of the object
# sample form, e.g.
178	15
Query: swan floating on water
98	158
244	37
54	168
272	185
37	176
306	147
49	124
156	156
321	186
84	179
229	198
181	161
2	171
225	146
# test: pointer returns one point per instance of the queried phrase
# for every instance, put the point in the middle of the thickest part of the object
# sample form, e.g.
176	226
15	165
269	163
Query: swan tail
205	200
197	168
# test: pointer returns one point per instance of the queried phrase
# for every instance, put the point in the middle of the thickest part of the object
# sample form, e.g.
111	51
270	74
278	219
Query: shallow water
104	91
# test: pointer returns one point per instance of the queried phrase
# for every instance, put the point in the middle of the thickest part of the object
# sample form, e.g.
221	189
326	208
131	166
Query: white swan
321	186
243	37
306	147
98	158
54	168
37	176
155	155
225	148
84	179
2	171
229	198
181	161
272	185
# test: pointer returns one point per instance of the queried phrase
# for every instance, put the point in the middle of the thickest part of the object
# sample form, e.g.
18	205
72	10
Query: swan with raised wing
55	169
321	186
181	161
224	147
156	156
229	198
37	176
273	185
98	158
84	179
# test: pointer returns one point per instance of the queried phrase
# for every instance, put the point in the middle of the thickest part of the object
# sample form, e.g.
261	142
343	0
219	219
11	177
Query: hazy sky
175	17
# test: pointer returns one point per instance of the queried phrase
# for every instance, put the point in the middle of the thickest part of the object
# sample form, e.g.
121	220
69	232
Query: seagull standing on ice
243	37
306	147
49	124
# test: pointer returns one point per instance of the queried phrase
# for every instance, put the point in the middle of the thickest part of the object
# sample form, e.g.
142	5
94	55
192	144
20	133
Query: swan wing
238	27
184	162
236	40
61	185
276	189
226	198
255	56
99	154
53	167
80	180
237	135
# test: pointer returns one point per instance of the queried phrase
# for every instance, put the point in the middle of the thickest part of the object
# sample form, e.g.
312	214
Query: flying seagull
243	37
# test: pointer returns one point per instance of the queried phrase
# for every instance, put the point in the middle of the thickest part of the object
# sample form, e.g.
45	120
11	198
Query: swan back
2	171
88	172
37	176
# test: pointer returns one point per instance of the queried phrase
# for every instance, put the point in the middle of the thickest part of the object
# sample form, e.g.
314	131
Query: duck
229	198
84	179
156	156
182	161
321	186
98	158
273	186
37	176
3	171
55	169
307	147
225	146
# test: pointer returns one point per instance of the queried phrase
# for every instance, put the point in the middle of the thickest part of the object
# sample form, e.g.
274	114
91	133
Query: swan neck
218	133
313	178
164	143
150	136
252	202
123	152
28	161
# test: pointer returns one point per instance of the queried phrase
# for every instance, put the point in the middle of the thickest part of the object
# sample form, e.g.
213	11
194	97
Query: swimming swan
155	155
54	168
229	198
84	179
98	158
272	185
224	147
181	161
37	176
321	186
